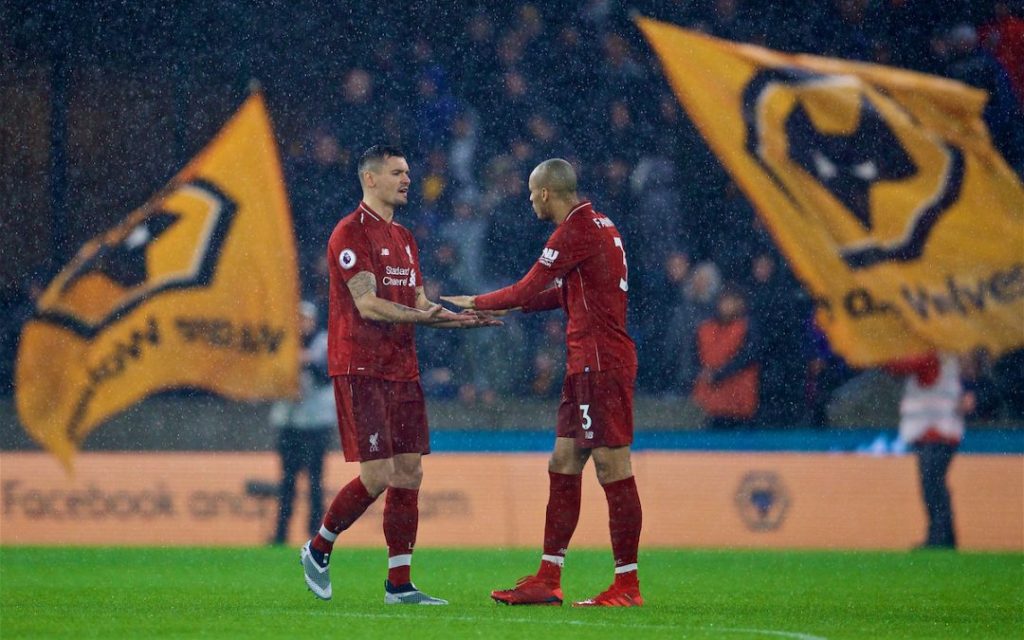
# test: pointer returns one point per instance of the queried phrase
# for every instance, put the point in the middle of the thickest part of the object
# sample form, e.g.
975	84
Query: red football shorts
379	418
597	408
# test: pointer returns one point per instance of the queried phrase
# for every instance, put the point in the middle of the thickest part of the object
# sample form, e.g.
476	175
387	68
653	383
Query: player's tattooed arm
361	284
363	287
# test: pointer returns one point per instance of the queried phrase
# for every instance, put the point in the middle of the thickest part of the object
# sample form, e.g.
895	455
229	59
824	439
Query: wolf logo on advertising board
880	185
197	288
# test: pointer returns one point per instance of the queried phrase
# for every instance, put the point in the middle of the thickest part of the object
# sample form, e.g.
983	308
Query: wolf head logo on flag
881	186
174	242
196	288
828	141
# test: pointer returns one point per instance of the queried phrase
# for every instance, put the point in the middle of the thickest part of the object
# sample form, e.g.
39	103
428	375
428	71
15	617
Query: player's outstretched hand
482	318
434	311
438	316
464	302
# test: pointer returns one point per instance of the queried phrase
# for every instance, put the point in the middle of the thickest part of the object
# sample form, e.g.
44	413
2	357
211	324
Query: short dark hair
375	156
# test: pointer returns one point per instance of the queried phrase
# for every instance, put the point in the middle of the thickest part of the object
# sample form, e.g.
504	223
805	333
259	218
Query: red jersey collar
366	213
583	205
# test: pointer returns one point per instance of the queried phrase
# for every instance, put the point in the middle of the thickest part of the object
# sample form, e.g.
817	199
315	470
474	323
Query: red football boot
530	590
615	596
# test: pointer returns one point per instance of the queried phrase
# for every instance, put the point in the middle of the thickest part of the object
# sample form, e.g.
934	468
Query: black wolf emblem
115	273
850	164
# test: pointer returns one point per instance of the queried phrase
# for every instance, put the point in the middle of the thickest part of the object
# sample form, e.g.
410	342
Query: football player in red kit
582	269
376	296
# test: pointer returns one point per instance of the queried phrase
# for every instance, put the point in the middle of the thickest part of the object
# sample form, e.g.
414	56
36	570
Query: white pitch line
770	632
576	623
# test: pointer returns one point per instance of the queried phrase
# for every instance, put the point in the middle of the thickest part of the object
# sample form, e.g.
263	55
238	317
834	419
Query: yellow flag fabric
198	288
881	186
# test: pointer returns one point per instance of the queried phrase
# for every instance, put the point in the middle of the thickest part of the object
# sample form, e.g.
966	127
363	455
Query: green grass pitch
726	595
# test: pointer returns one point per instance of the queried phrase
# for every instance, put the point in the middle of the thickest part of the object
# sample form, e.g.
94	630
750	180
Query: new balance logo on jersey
548	256
384	251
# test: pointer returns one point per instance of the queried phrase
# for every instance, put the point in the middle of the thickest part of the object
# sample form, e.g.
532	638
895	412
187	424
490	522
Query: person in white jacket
305	426
932	422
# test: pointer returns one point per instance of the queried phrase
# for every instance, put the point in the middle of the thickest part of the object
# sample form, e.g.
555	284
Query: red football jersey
586	260
363	241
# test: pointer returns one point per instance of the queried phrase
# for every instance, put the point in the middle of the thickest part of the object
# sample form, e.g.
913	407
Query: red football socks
624	521
563	514
401	520
350	503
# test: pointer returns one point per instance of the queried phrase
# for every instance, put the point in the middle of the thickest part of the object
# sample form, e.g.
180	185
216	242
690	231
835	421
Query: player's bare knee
407	478
408	471
568	462
376	476
612	465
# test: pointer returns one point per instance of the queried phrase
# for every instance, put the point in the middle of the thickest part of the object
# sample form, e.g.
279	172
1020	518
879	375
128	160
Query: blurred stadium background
102	103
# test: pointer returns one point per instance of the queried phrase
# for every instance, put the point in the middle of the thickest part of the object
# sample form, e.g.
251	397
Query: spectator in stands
826	372
970	63
317	177
476	73
511	50
305	427
510	108
776	302
654	223
549	358
545	139
622	136
852	36
466	231
436	108
573	59
978	379
669	125
612	187
1008	372
659	356
530	28
729	350
357	119
932	421
736	238
463	149
1003	36
903	27
696	303
438	350
725	19
15	314
509	246
620	74
435	195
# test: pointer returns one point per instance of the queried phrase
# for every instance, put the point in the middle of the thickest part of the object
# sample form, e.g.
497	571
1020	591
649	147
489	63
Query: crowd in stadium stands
481	96
480	101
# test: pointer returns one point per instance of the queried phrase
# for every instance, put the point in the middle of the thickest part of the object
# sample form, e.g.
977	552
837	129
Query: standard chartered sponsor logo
399	277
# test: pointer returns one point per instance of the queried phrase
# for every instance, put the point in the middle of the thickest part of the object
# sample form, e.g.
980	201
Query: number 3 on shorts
587	421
